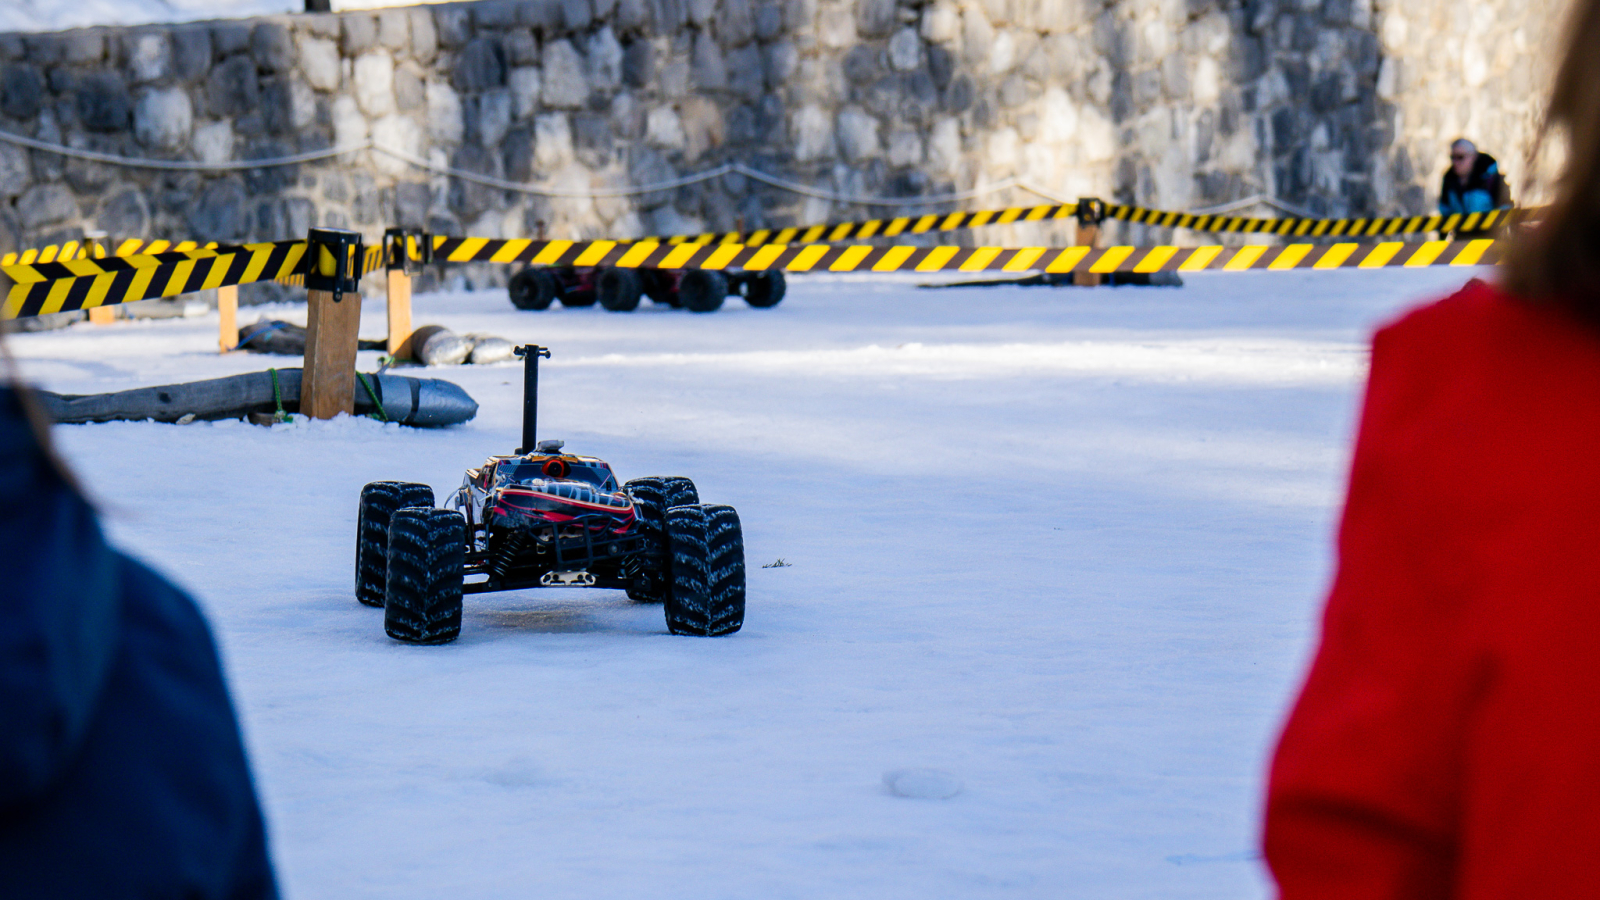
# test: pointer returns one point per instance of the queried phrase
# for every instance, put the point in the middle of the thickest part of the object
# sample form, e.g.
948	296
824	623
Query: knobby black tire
379	500
652	497
534	289
618	289
703	290
427	553
765	290
707	596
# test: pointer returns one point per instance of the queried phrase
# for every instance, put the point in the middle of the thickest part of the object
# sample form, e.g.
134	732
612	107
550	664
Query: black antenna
530	393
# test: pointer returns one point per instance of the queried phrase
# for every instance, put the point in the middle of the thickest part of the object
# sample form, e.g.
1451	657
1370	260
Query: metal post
530	394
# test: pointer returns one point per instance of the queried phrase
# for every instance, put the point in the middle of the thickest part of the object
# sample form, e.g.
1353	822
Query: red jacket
1447	740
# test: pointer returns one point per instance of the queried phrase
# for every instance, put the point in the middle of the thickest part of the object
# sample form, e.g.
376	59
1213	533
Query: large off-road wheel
427	553
535	289
765	289
618	289
379	500
703	290
707	596
652	497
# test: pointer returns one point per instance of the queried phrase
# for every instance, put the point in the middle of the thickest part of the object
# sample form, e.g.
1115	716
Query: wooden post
1088	235
102	315
227	318
399	314
328	385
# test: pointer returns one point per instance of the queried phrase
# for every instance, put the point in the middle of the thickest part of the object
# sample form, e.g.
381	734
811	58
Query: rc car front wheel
652	497
618	289
534	289
707	596
427	553
379	500
764	290
703	290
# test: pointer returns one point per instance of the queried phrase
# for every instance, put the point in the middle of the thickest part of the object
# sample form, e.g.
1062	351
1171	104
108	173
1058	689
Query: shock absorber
506	554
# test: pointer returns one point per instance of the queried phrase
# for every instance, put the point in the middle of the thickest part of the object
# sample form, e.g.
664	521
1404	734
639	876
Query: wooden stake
102	315
328	385
1087	236
399	314
227	318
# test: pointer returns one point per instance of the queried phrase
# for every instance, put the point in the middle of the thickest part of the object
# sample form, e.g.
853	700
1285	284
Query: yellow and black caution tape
74	284
90	249
371	261
863	258
1220	223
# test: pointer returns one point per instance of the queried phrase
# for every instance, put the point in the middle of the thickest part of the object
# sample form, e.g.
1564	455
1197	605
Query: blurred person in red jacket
1446	743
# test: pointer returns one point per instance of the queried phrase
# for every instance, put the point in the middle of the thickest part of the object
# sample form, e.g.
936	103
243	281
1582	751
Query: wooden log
330	367
102	315
228	318
400	314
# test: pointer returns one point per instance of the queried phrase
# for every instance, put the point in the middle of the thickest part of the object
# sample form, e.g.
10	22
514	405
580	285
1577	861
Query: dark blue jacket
1483	190
121	769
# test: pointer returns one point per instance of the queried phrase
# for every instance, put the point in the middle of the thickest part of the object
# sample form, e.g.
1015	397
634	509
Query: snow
56	15
1055	561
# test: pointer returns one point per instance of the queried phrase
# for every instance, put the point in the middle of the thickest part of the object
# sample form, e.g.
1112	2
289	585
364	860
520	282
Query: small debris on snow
779	563
922	784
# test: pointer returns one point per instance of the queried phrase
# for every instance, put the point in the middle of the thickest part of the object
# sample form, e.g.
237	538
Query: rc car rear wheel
427	554
703	290
765	289
534	289
652	497
379	500
707	596
618	289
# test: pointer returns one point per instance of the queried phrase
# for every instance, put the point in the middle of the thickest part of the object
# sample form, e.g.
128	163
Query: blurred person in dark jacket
122	773
1472	184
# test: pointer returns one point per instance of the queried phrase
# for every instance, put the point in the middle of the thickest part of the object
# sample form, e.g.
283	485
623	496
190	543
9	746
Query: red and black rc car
619	290
545	518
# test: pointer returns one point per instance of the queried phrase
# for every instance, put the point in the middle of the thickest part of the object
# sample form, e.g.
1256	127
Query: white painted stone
1474	64
524	84
1395	32
1097	137
319	62
564	85
1058	117
663	128
444	113
1002	53
162	118
702	126
858	134
149	56
1000	156
552	141
944	146
1206	85
374	83
836	28
941	22
349	125
905	50
1388	78
905	148
400	133
977	35
213	143
811	129
605	60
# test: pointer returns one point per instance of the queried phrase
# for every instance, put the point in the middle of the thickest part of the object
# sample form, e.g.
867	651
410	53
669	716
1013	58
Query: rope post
333	317
1091	212
397	247
227	318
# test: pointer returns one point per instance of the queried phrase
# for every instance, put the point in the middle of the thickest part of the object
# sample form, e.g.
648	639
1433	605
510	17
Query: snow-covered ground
1064	547
54	15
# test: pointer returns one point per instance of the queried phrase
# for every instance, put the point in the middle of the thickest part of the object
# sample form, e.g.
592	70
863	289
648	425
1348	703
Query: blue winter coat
1483	190
121	769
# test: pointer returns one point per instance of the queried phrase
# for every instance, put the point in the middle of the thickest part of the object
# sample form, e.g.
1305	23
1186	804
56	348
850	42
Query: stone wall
1340	106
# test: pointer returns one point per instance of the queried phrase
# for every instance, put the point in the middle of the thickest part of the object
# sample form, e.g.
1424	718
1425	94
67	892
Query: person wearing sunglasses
1472	184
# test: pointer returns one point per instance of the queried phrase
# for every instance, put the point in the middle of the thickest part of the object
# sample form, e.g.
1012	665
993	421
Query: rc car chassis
619	290
545	518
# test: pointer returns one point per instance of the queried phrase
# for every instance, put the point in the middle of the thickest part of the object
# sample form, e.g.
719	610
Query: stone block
639	64
592	138
769	20
444	113
521	49
272	46
488	116
836	29
359	33
707	67
408	93
632	16
605	57
905	148
523	84
43	49
322	25
411	201
452	23
230	37
83	47
11	48
700	12
219	214
148	54
552	141
576	14
1013	92
516	152
372	77
21	91
860	65
603	9
563	85
424	34
496	15
319	62
163	118
876	18
124	214
213	143
480	65
400	133
703	126
746	75
191	52
349	125
288	105
736	23
857	135
905	50
233	89
15	171
663	128
977	37
941	66
778	63
46	204
102	102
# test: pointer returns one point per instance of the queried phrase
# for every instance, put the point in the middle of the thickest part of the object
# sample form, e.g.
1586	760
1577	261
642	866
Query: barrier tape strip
64	286
1219	223
371	262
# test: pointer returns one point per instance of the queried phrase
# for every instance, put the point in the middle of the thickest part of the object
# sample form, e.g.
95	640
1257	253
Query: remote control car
619	290
546	518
